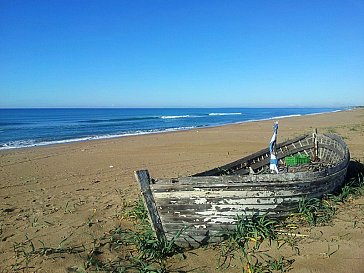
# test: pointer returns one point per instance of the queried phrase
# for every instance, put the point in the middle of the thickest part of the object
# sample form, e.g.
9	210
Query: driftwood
208	203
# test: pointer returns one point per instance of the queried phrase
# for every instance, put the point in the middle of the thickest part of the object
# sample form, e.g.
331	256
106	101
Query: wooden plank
214	215
240	192
253	180
176	204
209	231
256	181
198	222
200	197
143	178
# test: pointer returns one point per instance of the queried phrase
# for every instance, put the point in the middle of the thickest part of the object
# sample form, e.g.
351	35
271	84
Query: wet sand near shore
73	193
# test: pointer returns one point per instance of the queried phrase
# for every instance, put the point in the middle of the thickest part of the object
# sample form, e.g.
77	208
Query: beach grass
134	250
27	250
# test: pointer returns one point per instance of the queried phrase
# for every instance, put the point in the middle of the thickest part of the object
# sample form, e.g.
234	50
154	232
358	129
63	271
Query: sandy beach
76	192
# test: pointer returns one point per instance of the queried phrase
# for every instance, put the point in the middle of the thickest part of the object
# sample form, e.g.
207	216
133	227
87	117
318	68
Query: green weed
137	211
138	250
266	264
331	130
68	209
330	252
27	250
255	229
316	211
246	238
144	253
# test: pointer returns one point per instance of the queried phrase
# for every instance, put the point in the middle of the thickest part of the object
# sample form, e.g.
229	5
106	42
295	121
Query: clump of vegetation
331	130
255	229
316	211
138	250
245	241
136	211
27	250
256	264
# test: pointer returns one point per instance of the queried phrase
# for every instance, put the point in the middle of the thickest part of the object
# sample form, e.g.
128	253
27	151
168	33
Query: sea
20	128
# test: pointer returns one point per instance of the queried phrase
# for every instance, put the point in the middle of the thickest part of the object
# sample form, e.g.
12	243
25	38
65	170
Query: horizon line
175	107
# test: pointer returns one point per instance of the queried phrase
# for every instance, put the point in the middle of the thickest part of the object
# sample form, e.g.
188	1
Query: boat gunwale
345	158
234	180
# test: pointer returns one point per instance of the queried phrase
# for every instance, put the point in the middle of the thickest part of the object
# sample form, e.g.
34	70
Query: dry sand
75	191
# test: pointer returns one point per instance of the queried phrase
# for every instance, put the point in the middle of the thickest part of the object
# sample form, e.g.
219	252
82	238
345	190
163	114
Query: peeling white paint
229	194
201	201
200	226
223	220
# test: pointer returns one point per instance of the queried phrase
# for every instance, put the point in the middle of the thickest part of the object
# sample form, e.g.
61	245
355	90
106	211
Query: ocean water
35	127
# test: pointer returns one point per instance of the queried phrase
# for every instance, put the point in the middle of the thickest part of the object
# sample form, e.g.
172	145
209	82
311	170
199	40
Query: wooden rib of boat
209	202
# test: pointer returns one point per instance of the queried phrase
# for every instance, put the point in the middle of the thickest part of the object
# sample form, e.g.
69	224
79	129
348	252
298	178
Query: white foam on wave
33	143
224	114
286	116
174	117
334	111
270	118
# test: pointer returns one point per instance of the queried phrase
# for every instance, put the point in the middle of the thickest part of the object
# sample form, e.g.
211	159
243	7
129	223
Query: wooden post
143	178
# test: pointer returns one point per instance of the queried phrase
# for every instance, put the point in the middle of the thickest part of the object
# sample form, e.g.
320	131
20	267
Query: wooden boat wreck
209	202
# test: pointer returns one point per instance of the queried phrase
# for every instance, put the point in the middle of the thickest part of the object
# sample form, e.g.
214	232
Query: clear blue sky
184	53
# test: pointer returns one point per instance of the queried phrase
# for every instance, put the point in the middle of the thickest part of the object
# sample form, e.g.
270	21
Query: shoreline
171	130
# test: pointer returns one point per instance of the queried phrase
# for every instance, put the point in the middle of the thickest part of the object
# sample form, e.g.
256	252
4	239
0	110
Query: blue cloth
273	161
274	138
272	148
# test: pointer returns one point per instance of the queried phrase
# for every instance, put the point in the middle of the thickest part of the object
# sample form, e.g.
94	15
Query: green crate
304	159
291	161
297	160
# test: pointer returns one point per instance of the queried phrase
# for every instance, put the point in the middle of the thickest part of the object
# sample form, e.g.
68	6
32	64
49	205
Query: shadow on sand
354	176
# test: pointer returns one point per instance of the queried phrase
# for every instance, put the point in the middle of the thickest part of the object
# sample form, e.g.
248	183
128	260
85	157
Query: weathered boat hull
209	202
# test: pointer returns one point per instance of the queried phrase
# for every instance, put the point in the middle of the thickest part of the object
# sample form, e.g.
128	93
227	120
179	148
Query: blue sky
181	53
